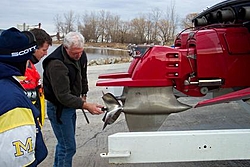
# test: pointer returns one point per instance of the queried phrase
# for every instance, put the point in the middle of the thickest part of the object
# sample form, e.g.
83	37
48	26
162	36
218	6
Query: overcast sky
32	12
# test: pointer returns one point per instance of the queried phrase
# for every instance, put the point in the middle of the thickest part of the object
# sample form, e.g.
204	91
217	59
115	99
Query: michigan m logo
20	147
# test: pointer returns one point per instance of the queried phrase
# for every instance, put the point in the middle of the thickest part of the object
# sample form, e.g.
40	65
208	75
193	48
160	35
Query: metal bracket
178	146
116	154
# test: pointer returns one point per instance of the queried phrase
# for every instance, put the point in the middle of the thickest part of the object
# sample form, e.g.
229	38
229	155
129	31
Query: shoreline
101	45
105	48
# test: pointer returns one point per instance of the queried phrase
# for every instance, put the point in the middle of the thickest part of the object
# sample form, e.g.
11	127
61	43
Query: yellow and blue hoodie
21	140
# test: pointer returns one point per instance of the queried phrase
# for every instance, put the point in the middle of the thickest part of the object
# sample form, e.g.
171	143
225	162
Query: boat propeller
112	111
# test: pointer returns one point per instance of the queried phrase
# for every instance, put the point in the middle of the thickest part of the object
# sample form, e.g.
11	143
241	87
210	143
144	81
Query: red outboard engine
214	55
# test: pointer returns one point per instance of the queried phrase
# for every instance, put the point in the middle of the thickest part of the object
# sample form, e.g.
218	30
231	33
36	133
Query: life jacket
34	91
33	78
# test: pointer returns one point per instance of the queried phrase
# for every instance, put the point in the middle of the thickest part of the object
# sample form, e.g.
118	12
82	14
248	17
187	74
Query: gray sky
32	12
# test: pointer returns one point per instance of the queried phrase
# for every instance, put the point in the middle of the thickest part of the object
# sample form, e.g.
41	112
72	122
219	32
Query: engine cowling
210	57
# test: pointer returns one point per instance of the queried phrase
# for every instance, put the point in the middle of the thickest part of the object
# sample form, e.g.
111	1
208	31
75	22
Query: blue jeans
65	135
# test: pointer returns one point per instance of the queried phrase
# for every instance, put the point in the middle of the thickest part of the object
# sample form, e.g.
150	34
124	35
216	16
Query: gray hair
73	39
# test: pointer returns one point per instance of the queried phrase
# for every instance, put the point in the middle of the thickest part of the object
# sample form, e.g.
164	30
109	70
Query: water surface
93	53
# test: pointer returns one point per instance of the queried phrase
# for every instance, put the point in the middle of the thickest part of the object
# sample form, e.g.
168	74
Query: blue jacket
20	132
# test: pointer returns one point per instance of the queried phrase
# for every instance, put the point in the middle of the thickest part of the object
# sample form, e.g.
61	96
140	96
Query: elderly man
65	88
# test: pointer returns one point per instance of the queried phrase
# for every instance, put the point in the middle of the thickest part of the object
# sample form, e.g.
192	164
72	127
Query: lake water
93	53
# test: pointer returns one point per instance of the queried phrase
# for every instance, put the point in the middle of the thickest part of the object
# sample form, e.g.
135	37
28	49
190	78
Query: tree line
158	27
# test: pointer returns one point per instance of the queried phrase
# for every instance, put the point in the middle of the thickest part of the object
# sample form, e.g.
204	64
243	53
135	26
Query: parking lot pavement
91	140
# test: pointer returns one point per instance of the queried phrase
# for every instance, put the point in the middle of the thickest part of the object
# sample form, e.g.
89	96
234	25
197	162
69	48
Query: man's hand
93	108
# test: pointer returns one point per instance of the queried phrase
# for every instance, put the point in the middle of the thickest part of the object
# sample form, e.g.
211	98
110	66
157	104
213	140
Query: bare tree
173	22
149	29
138	29
70	20
66	25
187	22
103	24
156	26
59	24
124	28
89	27
156	15
112	27
164	30
167	24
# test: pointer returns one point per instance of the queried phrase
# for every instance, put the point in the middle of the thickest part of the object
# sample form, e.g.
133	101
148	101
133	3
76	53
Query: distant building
27	27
